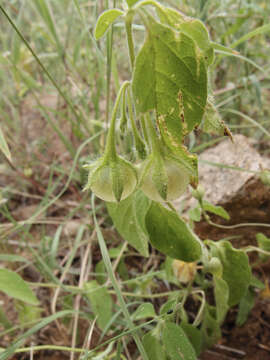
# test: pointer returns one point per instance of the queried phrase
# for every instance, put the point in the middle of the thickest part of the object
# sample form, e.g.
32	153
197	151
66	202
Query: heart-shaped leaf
171	235
236	269
170	77
128	217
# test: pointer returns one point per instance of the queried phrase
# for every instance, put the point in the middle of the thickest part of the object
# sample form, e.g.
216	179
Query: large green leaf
170	77
194	28
105	20
171	235
101	302
236	269
129	219
176	343
153	347
194	335
14	286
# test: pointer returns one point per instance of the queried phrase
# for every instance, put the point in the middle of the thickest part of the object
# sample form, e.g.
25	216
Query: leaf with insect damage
170	77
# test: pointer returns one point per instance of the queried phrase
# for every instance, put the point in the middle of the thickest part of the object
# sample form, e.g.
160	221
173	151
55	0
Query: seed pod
163	178
112	180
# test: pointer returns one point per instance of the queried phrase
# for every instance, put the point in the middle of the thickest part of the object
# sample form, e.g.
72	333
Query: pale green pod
112	181
174	178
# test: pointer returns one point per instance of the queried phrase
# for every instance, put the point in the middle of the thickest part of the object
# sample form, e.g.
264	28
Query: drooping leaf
101	302
193	28
236	269
153	347
217	210
170	77
176	343
129	219
4	146
105	20
210	327
245	306
194	335
221	291
14	286
145	310
171	235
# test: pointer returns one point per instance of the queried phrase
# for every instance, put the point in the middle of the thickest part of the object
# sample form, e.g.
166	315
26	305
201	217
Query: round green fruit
175	181
112	181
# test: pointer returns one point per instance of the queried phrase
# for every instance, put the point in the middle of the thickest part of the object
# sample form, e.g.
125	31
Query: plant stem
110	149
140	146
128	25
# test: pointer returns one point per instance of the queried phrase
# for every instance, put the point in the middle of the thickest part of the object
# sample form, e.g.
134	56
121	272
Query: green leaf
195	213
256	283
153	347
14	286
245	306
221	291
101	302
260	30
131	2
217	210
210	327
129	219
194	335
105	20
4	146
12	258
144	311
264	244
171	235
193	28
170	77
168	306
236	269
212	122
176	343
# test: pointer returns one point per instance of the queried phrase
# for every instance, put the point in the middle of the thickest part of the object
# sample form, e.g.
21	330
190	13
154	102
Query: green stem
110	149
108	265
128	25
154	140
144	130
139	143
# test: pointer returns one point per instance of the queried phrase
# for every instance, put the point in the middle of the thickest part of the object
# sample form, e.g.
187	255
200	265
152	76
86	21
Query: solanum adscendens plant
169	95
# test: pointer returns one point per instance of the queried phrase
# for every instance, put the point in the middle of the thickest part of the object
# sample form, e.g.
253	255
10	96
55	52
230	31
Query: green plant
171	93
144	166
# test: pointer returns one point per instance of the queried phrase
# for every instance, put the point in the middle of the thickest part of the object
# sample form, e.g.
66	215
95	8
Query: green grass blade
16	344
260	30
108	265
252	121
4	146
61	93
